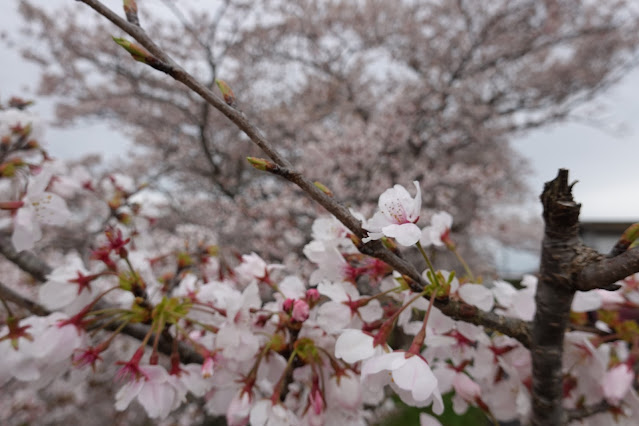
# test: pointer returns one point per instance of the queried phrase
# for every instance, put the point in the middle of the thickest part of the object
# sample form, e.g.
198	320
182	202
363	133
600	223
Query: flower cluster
275	348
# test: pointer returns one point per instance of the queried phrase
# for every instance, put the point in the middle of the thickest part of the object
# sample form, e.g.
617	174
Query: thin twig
513	327
10	295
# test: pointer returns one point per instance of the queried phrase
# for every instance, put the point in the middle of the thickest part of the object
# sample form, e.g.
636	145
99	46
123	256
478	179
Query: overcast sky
605	162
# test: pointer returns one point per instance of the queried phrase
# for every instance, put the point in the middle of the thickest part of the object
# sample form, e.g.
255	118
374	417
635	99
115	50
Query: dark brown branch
608	271
165	344
7	294
25	260
587	411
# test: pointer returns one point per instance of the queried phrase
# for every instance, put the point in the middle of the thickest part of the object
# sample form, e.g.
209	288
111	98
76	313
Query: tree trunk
554	296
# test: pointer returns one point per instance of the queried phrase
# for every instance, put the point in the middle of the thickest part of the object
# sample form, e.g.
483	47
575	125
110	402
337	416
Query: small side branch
25	260
606	272
587	411
513	327
7	294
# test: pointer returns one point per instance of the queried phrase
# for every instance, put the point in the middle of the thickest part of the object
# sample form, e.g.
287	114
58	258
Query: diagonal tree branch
513	327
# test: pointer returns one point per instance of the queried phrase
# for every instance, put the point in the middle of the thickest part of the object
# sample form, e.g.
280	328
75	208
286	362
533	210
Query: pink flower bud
466	387
207	367
312	295
300	311
288	305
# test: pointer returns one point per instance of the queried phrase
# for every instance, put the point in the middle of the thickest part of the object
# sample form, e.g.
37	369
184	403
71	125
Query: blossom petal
478	295
406	234
354	345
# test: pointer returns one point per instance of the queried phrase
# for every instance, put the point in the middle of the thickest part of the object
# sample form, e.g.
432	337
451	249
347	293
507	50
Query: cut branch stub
561	212
554	296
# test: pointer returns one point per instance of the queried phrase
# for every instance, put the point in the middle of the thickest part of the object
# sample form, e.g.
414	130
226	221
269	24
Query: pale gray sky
606	165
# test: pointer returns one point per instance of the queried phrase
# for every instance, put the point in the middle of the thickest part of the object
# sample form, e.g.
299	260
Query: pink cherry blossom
239	409
355	345
466	391
426	419
253	267
156	391
617	382
192	378
586	301
478	295
397	215
410	376
440	225
265	413
39	207
344	391
342	311
68	284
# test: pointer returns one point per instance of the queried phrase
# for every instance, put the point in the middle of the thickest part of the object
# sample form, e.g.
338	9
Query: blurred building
602	235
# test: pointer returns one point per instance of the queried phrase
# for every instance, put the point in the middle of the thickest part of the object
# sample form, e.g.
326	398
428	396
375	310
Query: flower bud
288	305
138	52
323	188
300	311
261	164
229	96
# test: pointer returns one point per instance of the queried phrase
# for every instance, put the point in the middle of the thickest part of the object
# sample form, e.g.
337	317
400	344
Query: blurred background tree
359	94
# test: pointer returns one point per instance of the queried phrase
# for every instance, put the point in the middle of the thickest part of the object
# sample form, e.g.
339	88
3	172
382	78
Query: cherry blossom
156	391
437	232
343	308
617	382
354	345
478	295
397	215
39	207
426	419
265	413
409	375
253	267
286	354
42	354
239	409
585	301
68	284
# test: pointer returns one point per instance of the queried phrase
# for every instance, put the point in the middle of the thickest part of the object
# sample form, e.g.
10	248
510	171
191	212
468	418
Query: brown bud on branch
229	97
131	11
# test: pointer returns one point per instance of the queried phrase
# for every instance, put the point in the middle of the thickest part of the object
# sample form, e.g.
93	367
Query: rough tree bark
567	265
554	297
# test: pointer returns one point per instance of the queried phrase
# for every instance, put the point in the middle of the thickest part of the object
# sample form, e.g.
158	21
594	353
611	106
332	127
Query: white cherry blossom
39	207
409	375
397	215
440	224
